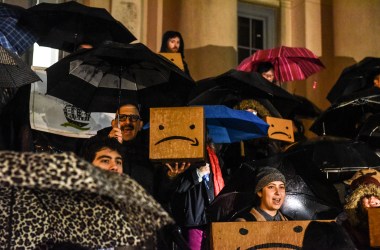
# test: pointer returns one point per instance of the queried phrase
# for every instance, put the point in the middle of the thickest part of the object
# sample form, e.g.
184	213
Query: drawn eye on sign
177	134
280	129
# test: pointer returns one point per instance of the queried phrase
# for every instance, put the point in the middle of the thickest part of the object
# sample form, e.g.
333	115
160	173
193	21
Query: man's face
108	159
130	122
272	197
173	44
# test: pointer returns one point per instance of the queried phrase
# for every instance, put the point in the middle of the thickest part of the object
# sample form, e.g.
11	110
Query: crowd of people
187	189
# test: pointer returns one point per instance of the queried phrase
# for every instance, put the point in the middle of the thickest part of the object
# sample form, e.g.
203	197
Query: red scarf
217	173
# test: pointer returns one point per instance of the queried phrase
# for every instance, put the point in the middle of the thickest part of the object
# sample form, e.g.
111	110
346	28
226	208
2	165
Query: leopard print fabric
50	198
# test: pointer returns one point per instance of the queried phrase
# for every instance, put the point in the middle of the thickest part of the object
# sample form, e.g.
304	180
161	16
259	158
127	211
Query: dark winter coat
191	198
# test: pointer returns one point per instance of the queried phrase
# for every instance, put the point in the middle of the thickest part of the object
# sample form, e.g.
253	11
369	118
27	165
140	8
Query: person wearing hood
270	195
365	194
172	42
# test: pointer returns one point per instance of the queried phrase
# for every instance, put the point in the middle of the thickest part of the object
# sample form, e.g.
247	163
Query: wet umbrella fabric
370	131
354	78
13	36
62	198
344	117
306	108
290	64
14	72
66	25
95	80
227	125
337	157
234	86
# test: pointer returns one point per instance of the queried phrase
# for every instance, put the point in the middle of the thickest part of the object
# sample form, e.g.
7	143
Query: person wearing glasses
127	123
126	128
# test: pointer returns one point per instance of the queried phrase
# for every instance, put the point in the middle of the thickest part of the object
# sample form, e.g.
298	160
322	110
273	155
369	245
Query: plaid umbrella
50	198
13	71
13	36
290	64
67	25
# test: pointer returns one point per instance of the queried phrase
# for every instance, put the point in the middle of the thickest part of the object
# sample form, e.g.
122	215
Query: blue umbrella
13	36
226	125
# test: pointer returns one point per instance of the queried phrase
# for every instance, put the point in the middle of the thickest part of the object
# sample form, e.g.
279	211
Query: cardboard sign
175	58
280	129
374	226
177	134
258	235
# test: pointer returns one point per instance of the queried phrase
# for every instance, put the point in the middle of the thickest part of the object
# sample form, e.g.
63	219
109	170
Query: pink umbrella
290	64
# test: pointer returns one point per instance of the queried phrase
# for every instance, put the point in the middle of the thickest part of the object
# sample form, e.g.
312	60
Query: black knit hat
266	175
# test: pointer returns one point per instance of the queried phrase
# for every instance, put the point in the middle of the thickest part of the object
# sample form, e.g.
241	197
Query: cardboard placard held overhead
280	129
177	134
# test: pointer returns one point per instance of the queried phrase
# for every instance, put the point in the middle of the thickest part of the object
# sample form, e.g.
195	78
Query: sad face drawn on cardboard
177	133
280	129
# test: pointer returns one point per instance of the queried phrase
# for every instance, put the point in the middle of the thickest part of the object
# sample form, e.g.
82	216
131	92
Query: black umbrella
355	78
66	25
14	72
370	131
233	86
53	198
345	117
306	108
338	158
97	79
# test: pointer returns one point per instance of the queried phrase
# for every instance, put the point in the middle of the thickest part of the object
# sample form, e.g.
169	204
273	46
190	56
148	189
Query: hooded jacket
357	219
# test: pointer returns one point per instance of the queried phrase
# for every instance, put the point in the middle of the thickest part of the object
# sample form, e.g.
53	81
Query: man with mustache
126	128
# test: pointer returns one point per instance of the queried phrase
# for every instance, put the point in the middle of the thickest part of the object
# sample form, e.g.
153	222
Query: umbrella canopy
13	36
62	198
13	71
338	157
95	79
370	131
306	108
234	86
290	64
66	25
225	125
346	116
355	78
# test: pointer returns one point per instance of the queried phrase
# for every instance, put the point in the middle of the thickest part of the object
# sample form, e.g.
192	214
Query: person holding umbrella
266	70
126	129
270	195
